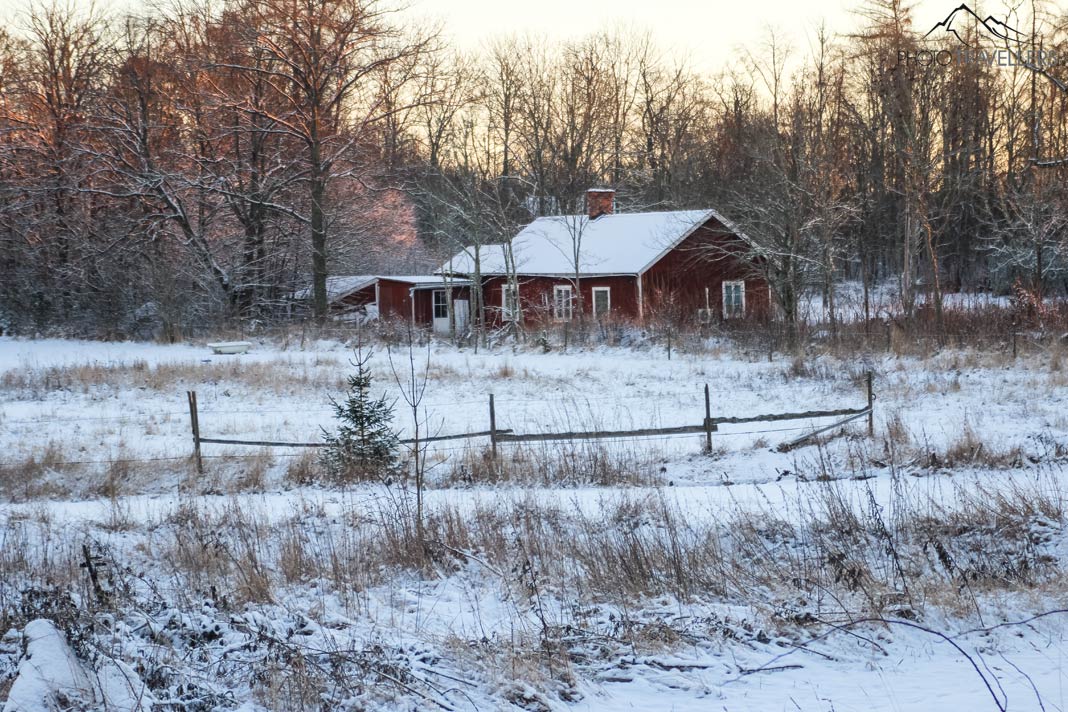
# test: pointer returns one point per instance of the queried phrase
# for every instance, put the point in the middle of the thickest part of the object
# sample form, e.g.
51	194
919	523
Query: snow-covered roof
620	243
424	280
343	285
340	286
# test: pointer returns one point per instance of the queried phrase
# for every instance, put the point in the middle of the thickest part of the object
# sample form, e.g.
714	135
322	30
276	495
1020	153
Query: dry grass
968	448
832	555
324	372
836	549
303	469
31	476
223	552
556	463
252	475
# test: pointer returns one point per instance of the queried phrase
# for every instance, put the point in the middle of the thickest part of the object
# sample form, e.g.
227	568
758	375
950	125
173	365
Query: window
602	302
562	302
733	300
441	304
510	302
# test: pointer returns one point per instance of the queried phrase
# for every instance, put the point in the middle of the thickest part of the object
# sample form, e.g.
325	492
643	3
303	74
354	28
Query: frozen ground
95	449
97	403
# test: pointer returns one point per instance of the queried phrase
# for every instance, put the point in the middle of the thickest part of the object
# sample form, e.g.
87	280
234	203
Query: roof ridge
619	215
619	243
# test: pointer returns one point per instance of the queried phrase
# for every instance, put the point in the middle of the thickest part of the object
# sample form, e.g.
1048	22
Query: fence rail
707	427
598	434
404	441
791	444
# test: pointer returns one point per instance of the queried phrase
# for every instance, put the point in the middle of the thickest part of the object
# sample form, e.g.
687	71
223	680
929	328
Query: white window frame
729	313
593	304
558	312
510	312
434	303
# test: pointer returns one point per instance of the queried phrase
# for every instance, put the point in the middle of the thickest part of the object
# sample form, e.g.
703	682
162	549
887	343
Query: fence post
708	420
194	423
493	428
871	412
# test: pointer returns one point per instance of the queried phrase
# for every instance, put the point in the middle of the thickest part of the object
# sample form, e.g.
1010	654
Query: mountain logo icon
956	23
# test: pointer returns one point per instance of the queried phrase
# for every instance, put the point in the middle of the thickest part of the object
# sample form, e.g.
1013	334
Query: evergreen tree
365	443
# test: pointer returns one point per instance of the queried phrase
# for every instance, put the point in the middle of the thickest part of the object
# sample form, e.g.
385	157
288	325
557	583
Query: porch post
641	300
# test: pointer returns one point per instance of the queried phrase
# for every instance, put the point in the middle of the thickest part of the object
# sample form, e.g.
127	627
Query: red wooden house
687	265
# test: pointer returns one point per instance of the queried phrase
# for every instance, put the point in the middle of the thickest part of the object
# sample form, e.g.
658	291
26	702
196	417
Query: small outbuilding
440	303
429	301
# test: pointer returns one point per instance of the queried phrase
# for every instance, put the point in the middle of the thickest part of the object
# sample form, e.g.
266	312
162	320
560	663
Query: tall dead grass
836	550
568	464
279	376
834	553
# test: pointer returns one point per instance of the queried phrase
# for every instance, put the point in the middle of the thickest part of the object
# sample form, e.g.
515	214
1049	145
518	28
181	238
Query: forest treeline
196	163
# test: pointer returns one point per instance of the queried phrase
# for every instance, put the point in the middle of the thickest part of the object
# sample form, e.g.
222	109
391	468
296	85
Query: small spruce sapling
365	444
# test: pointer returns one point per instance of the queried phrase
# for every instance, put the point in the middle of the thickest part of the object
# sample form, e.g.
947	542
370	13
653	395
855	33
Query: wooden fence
497	436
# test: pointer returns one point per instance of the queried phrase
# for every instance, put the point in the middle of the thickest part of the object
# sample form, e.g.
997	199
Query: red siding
674	286
424	307
705	259
394	299
424	302
536	296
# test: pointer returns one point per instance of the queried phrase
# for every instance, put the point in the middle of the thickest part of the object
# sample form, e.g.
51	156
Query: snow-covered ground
95	403
950	430
884	298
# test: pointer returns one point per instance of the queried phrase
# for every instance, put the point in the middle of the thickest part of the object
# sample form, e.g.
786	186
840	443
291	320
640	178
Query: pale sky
711	33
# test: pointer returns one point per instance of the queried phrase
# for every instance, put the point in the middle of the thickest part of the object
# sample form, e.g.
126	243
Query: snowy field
95	404
681	586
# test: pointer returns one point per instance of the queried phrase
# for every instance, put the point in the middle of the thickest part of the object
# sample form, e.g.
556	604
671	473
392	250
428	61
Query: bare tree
476	217
328	60
1032	237
412	379
53	77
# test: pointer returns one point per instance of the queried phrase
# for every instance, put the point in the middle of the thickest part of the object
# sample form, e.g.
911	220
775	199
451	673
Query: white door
461	307
439	303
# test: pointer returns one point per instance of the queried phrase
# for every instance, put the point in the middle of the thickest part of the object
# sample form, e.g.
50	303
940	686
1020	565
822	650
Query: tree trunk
318	235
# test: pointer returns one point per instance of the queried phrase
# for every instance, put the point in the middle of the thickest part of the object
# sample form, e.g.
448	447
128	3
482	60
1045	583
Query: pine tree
365	444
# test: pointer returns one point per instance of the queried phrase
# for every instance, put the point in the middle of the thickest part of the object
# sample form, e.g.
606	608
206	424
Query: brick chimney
599	201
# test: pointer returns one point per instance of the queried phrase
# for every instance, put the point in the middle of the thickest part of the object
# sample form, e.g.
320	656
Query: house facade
688	266
429	301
